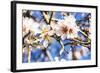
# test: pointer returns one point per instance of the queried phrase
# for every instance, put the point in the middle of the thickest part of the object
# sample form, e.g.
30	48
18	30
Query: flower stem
49	55
62	49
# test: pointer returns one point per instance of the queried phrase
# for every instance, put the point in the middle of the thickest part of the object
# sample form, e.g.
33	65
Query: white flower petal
45	26
78	55
71	36
45	43
30	24
64	36
26	23
58	33
56	58
70	21
51	32
48	27
35	27
85	51
68	36
63	60
60	22
41	39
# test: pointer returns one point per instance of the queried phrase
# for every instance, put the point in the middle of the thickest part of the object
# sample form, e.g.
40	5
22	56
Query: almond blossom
67	28
30	25
46	34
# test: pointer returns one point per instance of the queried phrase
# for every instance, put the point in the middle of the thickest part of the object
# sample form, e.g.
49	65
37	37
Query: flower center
44	30
64	29
70	31
47	37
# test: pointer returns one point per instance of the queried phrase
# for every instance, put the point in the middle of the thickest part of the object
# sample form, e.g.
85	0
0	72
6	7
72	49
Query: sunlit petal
63	37
85	51
45	43
78	55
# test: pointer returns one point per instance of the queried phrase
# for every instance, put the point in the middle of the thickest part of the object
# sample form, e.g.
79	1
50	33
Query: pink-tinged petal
85	50
78	55
58	33
64	36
